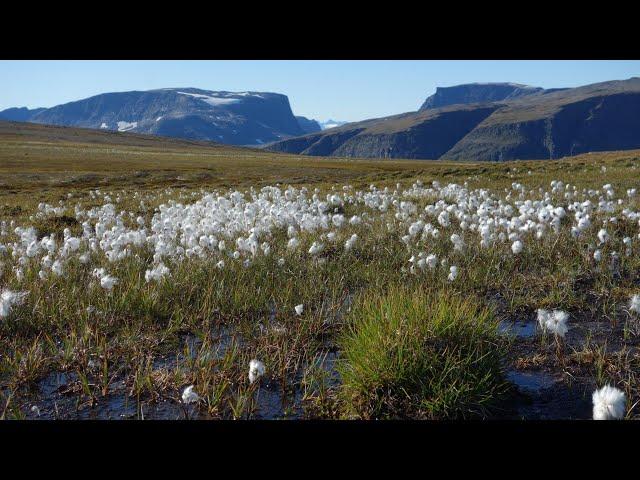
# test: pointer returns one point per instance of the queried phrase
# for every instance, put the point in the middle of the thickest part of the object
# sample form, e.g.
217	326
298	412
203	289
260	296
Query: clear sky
320	89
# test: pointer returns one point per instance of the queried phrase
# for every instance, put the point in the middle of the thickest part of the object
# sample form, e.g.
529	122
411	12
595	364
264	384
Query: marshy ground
386	329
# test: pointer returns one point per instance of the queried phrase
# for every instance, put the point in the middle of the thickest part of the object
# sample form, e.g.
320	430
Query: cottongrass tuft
597	255
108	282
8	299
189	396
516	247
349	244
603	236
634	303
256	370
316	248
554	321
156	273
453	273
609	403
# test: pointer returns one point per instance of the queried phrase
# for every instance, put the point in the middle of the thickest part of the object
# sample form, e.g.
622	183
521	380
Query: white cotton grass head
19	273
8	299
634	303
108	282
516	247
554	321
458	243
57	268
189	396
453	273
609	403
256	370
557	323
156	273
349	244
603	236
543	316
299	309
316	248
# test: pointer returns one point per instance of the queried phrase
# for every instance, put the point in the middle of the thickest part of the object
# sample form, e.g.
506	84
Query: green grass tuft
419	355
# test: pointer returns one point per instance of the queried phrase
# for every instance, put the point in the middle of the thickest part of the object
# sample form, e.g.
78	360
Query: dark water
59	396
531	381
538	394
519	328
542	396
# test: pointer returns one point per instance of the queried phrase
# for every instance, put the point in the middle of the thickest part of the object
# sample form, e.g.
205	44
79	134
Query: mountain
308	125
331	124
426	134
544	124
477	93
22	114
241	118
597	117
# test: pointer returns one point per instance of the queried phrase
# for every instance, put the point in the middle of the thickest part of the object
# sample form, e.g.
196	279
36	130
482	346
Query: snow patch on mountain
212	100
126	126
331	124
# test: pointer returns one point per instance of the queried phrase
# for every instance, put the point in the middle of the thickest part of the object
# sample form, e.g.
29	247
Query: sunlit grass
411	353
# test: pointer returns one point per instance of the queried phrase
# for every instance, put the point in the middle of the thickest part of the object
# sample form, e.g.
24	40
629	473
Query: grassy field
378	337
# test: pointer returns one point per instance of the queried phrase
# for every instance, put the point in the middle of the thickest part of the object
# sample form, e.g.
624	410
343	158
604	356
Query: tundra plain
135	267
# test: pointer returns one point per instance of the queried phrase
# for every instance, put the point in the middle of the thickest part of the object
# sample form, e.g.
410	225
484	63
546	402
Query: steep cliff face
430	137
541	125
426	134
237	118
322	145
502	142
477	93
599	123
308	125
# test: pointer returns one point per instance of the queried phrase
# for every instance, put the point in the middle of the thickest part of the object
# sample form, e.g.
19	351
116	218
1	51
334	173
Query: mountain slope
598	117
308	125
22	132
544	124
245	118
427	134
477	93
22	114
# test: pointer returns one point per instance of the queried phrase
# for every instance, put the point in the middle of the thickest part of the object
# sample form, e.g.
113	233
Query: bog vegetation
278	286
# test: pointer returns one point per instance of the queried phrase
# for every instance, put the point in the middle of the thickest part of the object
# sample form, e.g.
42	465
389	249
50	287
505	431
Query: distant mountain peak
308	125
19	114
235	118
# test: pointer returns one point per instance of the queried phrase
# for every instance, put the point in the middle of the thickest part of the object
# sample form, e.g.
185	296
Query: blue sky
341	90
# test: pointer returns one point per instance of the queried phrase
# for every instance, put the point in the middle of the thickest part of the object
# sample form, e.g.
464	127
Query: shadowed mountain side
427	134
544	124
